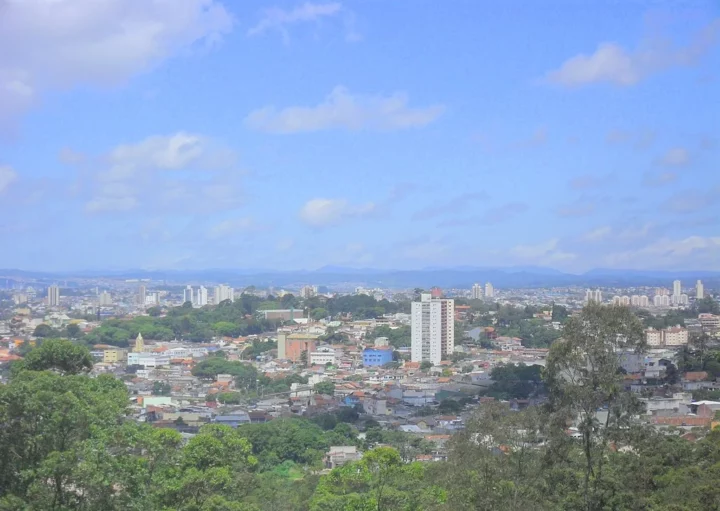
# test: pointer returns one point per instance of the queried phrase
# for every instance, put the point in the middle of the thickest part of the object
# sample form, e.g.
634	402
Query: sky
404	134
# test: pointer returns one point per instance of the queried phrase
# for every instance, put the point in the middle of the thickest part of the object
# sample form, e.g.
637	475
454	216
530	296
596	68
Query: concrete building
338	455
323	355
709	321
202	296
142	295
669	337
308	292
433	329
282	314
699	290
105	299
114	355
593	296
222	293
489	290
291	346
189	295
661	301
53	298
677	288
476	293
148	359
377	356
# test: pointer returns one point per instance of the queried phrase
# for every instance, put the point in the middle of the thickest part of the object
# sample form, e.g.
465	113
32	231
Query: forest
68	443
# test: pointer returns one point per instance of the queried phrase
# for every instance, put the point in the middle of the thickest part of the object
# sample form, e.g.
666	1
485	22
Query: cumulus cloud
7	177
343	110
63	43
279	19
163	171
327	212
613	64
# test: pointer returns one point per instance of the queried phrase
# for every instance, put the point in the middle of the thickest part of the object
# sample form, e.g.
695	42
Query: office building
53	298
489	290
189	295
222	293
699	290
477	292
432	329
142	295
202	296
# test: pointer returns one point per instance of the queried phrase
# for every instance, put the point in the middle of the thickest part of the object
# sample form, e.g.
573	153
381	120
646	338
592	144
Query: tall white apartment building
699	290
142	295
189	295
661	301
677	288
433	329
105	299
593	296
202	296
476	292
222	293
53	298
489	290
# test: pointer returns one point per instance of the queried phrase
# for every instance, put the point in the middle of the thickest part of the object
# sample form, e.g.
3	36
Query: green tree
73	331
426	365
59	355
161	388
583	375
44	330
325	387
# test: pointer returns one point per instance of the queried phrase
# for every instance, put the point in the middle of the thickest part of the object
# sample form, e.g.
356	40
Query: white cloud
659	179
693	251
587	182
63	43
636	139
164	171
676	157
546	252
279	19
343	110
579	208
692	200
598	234
7	177
610	63
327	212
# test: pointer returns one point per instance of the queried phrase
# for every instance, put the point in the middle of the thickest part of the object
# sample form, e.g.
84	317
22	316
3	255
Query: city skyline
296	135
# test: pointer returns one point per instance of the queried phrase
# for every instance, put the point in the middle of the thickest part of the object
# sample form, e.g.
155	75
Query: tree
325	387
161	388
425	365
44	330
59	355
73	331
154	311
583	375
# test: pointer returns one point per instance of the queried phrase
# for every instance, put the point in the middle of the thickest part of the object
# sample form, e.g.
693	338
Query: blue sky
386	134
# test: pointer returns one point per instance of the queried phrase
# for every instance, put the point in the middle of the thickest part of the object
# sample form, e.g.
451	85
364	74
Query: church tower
139	344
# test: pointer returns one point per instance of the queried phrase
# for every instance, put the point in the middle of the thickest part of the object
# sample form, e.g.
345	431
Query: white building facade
433	329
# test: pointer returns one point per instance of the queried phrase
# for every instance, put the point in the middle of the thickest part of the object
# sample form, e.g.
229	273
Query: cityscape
342	255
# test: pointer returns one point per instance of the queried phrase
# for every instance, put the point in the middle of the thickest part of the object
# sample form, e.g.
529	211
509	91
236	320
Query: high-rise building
677	288
477	292
308	292
142	295
222	293
432	329
104	299
661	301
644	301
489	290
189	295
639	301
593	296
436	292
202	296
53	298
699	290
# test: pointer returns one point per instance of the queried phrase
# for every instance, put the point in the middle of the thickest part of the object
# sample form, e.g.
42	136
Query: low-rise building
338	455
